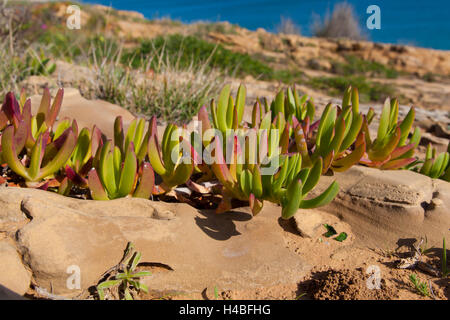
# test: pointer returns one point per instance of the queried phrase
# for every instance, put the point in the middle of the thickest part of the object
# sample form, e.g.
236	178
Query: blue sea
415	22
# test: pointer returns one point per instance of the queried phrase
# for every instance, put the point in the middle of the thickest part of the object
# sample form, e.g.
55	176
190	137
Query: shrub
342	23
287	26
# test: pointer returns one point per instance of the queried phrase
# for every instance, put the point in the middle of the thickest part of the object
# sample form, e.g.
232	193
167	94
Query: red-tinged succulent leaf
155	155
61	157
9	153
349	160
96	140
11	109
37	154
20	136
400	151
204	119
95	186
118	133
219	166
323	199
75	177
300	142
256	115
43	186
44	107
146	182
397	164
327	161
65	187
255	204
284	140
3	120
56	107
381	152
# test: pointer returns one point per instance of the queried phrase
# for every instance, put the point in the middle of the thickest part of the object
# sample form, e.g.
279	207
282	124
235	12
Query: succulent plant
116	178
135	134
82	158
13	112
40	164
172	161
389	150
434	166
228	114
290	104
288	186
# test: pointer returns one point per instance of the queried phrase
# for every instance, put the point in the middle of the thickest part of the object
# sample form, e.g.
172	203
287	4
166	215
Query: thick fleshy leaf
9	153
313	177
384	120
255	204
56	107
380	152
37	153
128	174
355	100
219	166
400	151
240	102
61	157
222	108
349	160
439	165
292	199
155	156
279	104
146	182
246	181
323	199
95	186
397	164
406	125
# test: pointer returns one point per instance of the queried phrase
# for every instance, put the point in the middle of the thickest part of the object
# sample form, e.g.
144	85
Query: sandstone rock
13	274
384	206
309	223
200	248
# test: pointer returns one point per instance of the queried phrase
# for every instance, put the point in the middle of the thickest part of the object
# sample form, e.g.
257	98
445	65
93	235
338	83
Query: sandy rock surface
383	206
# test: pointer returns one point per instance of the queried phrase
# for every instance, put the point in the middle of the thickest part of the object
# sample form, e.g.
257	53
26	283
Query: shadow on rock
221	226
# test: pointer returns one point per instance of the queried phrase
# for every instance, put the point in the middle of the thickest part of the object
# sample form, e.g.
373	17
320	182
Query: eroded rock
13	275
385	205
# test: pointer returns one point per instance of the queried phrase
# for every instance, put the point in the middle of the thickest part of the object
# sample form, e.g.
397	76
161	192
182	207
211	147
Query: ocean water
415	22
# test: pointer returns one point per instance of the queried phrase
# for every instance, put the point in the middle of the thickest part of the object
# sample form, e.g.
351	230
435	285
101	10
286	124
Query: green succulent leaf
323	199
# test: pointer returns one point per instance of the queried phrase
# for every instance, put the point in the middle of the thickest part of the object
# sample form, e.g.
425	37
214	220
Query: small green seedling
126	279
445	270
420	286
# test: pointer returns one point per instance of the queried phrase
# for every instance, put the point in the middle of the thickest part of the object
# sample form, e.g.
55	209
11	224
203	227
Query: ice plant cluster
277	155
